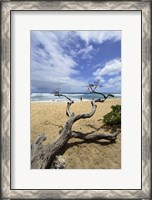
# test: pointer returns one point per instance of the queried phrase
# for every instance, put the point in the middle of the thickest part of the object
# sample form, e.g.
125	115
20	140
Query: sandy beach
50	117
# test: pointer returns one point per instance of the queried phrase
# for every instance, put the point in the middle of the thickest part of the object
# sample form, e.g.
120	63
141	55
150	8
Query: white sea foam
47	97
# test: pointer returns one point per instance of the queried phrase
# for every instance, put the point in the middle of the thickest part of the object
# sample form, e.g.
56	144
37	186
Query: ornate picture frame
8	7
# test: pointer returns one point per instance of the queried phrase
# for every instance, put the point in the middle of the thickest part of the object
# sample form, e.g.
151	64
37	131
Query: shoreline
65	101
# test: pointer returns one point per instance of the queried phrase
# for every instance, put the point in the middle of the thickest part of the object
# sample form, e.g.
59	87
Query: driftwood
42	156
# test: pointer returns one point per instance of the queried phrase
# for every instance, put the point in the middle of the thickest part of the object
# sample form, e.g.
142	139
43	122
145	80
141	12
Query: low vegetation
114	117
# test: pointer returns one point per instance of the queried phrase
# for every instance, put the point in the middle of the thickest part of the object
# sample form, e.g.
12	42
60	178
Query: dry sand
49	118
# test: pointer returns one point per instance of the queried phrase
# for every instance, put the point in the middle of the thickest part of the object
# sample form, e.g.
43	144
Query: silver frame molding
144	7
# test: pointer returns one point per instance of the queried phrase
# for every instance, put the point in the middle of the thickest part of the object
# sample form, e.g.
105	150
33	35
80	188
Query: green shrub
113	117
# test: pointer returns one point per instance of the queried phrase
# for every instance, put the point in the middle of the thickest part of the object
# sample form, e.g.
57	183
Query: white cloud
112	67
99	36
86	52
114	80
109	75
97	66
52	54
113	84
51	66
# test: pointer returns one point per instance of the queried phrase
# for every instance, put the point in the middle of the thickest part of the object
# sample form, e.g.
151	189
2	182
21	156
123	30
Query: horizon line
79	92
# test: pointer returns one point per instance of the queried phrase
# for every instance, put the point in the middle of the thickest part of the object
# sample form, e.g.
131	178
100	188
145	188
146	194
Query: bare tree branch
94	137
36	146
68	112
92	88
62	95
57	93
86	115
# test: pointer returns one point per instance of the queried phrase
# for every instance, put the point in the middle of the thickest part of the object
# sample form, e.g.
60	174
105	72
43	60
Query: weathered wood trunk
43	157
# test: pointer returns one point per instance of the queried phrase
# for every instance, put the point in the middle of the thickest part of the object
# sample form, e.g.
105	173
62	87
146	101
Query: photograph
75	99
76	85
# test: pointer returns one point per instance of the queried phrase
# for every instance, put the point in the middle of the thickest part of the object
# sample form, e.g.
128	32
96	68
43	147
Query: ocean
48	97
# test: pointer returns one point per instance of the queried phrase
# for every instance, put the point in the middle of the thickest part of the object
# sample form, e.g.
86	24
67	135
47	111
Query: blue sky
70	60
